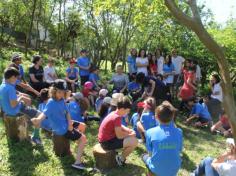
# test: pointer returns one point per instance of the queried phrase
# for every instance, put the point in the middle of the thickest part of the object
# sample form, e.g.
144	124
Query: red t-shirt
85	92
224	120
107	128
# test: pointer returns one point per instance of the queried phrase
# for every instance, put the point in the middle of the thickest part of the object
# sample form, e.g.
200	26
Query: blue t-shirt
148	120
72	73
133	86
201	110
84	62
7	94
165	143
167	68
131	64
93	77
75	111
56	111
98	103
134	119
45	124
21	70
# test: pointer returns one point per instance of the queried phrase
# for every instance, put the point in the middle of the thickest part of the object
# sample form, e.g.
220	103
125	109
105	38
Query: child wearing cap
77	107
136	117
94	78
57	112
104	108
147	119
199	113
164	143
89	93
101	95
84	64
72	76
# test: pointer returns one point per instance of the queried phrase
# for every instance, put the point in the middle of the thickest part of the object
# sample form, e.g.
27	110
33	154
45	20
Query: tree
194	23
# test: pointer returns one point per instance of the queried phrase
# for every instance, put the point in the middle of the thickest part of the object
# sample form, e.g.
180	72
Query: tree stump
105	159
61	145
16	127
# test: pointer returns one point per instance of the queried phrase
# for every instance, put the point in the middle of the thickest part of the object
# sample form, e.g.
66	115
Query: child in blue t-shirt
94	78
77	107
11	103
101	95
199	113
135	90
164	144
72	76
59	117
136	117
147	119
45	123
84	64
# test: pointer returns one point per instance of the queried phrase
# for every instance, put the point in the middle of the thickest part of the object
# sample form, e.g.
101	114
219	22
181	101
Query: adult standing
177	62
84	64
142	62
36	74
113	135
216	97
168	73
160	61
131	60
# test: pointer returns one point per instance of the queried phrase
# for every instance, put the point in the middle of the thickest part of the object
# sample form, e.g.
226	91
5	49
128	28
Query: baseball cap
115	98
77	95
107	100
103	92
60	84
15	56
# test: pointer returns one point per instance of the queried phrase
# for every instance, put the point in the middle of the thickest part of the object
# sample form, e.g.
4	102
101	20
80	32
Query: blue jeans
205	168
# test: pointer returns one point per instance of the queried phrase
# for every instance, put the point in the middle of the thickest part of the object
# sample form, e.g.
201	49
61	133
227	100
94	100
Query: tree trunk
194	23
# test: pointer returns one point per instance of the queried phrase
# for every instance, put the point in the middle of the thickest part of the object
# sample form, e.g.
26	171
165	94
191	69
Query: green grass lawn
24	159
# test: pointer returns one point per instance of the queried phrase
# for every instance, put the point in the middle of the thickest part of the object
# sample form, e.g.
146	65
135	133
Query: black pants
83	79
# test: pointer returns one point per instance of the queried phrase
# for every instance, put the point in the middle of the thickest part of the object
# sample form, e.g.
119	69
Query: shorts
112	144
203	120
76	124
73	135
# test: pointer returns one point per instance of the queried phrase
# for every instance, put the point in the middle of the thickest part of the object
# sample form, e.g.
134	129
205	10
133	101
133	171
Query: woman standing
160	61
216	97
168	73
142	62
36	74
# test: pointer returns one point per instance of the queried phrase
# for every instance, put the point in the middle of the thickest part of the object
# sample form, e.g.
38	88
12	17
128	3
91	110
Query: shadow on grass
187	163
24	157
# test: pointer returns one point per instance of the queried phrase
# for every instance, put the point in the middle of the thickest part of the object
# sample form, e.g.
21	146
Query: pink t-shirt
107	128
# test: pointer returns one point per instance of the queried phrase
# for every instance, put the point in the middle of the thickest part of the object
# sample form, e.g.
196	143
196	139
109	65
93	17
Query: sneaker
37	141
119	161
78	166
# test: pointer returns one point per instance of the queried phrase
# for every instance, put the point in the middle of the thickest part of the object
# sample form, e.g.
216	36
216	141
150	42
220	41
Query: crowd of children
142	99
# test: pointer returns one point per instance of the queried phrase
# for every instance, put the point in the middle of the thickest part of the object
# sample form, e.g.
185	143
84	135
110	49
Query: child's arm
70	123
193	116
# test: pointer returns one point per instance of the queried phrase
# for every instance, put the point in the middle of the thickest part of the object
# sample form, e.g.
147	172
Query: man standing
84	64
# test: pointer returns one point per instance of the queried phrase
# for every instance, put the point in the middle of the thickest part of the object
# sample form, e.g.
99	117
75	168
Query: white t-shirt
178	62
160	62
227	168
142	61
48	70
217	88
198	73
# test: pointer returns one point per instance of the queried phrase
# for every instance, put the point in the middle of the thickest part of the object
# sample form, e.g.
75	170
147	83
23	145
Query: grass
25	159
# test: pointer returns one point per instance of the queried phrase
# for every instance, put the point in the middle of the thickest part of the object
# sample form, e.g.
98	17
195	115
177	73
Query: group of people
141	99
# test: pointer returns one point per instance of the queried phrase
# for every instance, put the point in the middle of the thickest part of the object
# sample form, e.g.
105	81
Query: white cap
103	92
78	95
107	100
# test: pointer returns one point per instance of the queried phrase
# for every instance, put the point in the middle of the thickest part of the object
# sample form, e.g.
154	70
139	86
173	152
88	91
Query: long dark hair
169	62
217	78
103	109
139	53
